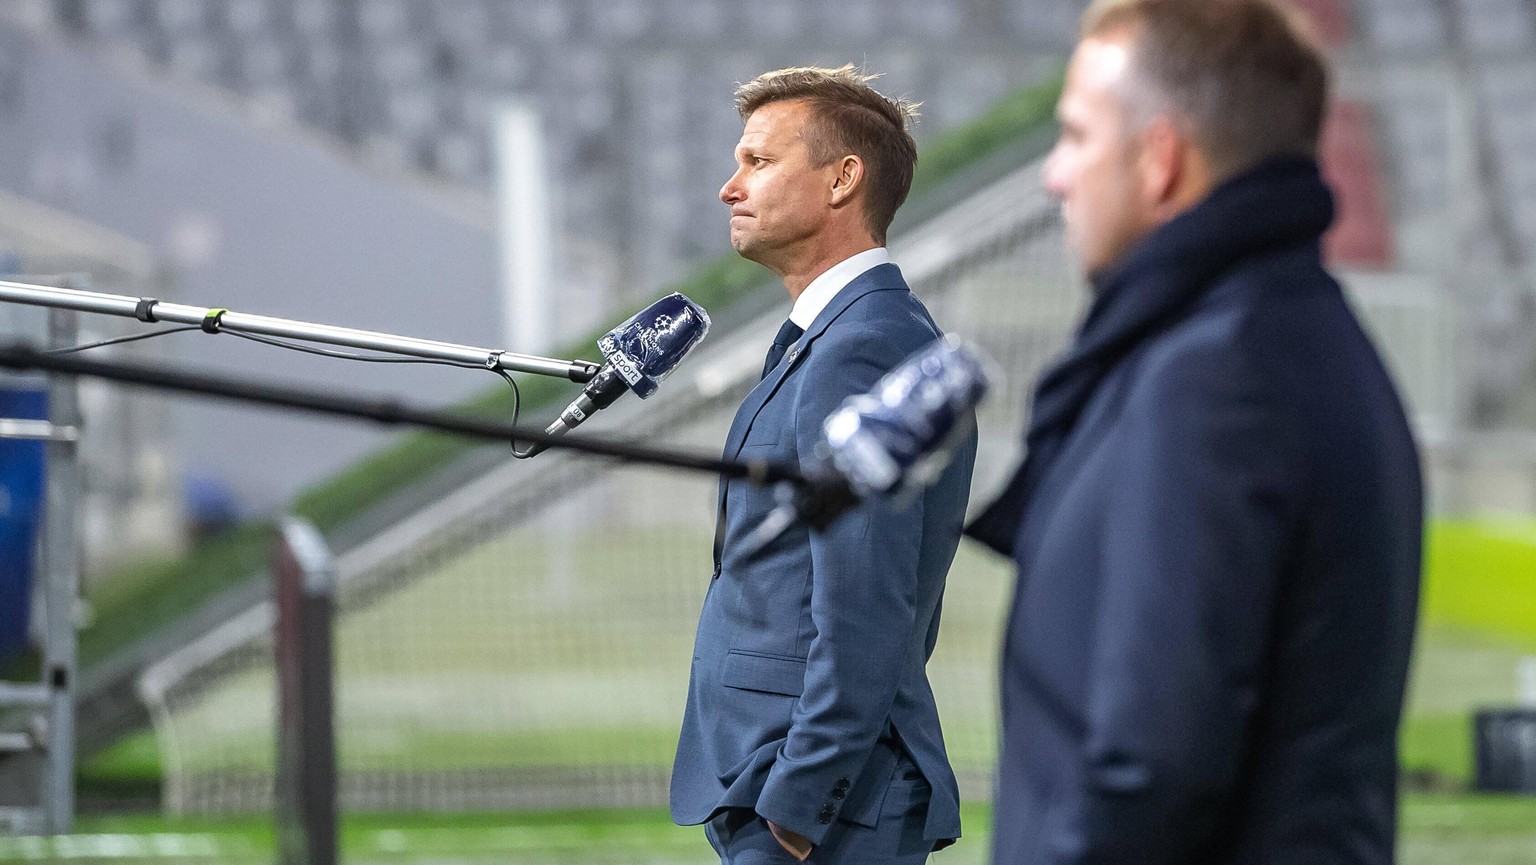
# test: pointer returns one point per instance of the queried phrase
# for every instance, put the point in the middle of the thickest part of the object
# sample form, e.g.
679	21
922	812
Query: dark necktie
788	333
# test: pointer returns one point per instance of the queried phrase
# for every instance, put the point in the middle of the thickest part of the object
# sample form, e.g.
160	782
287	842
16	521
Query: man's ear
1164	153
847	180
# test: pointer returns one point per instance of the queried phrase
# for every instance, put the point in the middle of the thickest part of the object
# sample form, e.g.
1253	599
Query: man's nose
1052	174
731	192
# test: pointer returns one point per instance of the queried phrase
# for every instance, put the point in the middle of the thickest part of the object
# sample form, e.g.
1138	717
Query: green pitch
1436	829
1479	621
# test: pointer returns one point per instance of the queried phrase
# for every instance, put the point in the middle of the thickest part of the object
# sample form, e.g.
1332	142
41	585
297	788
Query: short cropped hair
847	117
1242	77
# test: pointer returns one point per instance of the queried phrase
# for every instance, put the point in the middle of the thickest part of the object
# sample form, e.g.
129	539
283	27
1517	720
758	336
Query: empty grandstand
515	635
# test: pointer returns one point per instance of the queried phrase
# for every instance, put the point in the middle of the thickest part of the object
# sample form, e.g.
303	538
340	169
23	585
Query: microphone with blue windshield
890	442
637	356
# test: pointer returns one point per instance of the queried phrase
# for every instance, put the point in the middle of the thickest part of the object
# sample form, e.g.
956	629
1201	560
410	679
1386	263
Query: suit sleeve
1191	565
863	608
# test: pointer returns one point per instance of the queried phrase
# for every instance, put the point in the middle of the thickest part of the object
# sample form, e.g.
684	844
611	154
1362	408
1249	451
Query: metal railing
38	742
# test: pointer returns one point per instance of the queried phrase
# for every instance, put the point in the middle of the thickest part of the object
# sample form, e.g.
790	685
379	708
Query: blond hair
1241	76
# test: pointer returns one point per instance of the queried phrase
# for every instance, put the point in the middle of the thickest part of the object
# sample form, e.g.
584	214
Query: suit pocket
764	435
767	430
769	673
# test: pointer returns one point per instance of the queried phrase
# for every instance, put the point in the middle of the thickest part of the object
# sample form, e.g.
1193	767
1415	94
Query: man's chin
745	247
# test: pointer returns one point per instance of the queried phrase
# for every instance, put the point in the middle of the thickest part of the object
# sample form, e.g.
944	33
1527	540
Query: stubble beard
748	246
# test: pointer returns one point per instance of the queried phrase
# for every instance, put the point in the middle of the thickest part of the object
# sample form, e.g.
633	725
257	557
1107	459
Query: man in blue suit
1217	522
810	731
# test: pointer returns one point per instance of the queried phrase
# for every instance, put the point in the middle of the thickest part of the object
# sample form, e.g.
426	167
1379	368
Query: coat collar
1278	205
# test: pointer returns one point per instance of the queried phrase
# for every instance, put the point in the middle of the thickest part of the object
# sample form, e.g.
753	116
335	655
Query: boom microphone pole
22	356
214	320
888	443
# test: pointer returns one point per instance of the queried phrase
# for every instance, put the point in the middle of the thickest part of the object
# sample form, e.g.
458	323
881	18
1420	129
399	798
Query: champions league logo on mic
647	347
637	355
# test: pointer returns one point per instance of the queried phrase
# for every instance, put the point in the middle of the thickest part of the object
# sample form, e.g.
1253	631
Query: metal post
61	574
304	573
526	231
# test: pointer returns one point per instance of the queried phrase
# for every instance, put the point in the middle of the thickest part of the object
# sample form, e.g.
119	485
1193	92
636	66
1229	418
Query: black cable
517	395
517	407
121	339
343	355
347	355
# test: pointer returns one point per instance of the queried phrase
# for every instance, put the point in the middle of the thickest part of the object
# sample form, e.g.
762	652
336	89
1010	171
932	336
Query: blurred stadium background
512	638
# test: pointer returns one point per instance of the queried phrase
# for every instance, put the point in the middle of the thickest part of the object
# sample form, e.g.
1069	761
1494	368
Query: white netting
526	641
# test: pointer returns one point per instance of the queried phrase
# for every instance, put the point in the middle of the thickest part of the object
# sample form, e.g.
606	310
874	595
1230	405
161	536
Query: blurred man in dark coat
1217	522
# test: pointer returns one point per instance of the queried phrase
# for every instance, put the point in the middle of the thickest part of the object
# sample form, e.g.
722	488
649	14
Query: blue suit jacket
810	652
1218	557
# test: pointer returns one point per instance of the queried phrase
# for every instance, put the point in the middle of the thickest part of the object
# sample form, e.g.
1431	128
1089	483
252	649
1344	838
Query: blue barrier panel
21	506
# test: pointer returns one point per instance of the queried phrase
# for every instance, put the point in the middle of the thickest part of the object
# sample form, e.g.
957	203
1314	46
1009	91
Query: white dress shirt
823	288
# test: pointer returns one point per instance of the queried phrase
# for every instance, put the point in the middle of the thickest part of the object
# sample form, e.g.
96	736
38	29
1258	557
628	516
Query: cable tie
211	320
145	310
493	360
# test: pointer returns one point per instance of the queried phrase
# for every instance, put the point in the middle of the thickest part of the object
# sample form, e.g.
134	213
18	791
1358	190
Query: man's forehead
1100	62
774	121
1096	78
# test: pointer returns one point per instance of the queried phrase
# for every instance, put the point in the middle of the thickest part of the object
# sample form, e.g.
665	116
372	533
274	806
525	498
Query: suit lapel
884	277
880	277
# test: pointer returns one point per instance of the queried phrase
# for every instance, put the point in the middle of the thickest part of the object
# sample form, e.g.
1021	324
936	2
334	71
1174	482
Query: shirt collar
823	288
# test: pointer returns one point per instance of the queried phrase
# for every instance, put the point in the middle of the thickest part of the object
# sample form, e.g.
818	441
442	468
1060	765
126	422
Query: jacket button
842	784
838	793
824	819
